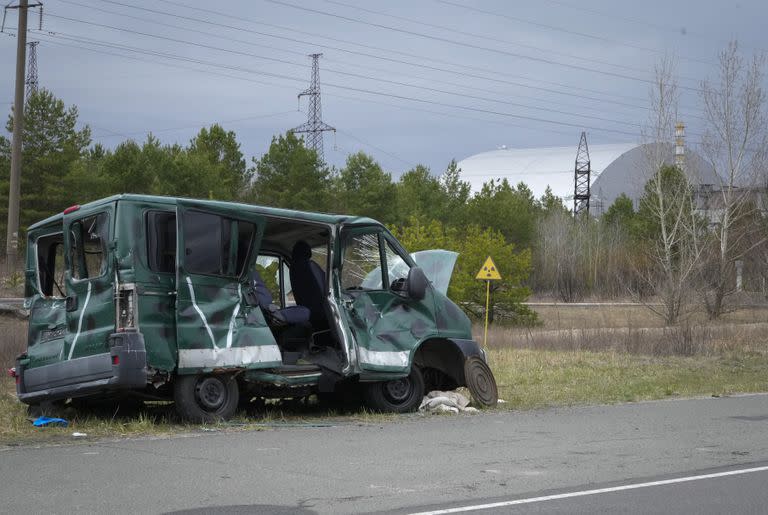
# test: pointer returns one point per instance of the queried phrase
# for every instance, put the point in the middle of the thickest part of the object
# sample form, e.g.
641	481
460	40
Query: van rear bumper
124	367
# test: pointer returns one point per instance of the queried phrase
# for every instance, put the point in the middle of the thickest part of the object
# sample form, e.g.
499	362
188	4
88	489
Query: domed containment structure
630	172
616	169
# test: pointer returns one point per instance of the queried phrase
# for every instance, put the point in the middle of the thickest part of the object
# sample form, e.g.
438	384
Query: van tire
398	395
205	398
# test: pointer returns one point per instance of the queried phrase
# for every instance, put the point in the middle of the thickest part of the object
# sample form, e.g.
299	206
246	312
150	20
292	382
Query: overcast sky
408	82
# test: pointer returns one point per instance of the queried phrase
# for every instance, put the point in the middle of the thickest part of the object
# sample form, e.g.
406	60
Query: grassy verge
527	379
536	378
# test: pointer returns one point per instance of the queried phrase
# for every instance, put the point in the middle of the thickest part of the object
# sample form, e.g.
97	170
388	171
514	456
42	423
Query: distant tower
581	178
680	145
31	82
315	126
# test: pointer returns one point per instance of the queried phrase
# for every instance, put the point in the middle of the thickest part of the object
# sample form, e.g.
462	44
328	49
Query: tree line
664	248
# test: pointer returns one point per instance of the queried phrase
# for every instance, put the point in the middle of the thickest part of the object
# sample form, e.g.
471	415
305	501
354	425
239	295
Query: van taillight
115	360
12	372
126	307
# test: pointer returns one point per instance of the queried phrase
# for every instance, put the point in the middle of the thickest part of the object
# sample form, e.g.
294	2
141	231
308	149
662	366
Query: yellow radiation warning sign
489	272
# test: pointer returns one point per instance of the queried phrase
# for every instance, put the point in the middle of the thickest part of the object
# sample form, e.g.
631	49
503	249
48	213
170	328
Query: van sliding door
215	328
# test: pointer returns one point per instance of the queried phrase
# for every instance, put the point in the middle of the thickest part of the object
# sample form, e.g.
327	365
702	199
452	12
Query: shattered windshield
437	265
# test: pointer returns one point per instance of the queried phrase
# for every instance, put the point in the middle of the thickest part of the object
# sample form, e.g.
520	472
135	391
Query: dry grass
684	340
578	356
575	316
532	379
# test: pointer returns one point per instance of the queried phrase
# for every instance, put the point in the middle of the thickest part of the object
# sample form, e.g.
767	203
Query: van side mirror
417	283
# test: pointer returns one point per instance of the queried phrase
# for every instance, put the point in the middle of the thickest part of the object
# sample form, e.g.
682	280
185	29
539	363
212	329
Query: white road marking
502	504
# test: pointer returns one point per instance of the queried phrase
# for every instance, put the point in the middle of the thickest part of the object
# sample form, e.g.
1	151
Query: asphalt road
634	458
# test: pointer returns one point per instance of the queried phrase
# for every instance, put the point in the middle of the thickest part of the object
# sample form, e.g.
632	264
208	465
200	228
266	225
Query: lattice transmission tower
31	81
315	126
581	178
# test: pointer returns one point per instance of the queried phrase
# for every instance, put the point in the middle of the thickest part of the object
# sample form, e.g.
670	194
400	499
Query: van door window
361	259
161	241
87	256
214	245
50	264
270	270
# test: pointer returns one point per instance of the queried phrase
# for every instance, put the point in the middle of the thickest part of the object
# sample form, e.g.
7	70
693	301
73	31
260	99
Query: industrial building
615	169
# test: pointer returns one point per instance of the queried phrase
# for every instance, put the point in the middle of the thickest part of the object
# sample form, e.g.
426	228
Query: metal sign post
489	272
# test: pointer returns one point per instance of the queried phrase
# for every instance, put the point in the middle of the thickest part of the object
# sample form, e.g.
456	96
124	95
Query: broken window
50	264
361	257
215	245
87	250
161	241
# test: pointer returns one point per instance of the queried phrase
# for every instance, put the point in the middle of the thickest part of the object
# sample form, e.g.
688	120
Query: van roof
309	216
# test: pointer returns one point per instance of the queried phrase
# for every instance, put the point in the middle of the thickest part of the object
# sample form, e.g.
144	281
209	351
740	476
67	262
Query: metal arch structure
581	178
31	82
314	127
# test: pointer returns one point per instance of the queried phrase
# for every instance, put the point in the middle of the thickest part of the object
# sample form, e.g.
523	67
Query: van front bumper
124	367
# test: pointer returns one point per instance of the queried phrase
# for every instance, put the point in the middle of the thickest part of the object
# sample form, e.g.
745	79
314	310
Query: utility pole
12	236
31	82
315	125
581	178
14	193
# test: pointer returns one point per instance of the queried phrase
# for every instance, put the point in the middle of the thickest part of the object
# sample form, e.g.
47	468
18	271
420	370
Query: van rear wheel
398	395
206	398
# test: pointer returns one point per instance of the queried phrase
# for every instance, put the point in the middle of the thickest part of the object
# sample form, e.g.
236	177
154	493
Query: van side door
89	279
386	323
215	325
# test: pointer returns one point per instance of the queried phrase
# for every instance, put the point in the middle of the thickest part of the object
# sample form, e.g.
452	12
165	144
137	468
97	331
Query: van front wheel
205	398
398	395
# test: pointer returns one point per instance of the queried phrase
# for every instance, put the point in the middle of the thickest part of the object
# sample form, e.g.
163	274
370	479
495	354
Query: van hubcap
398	390
211	393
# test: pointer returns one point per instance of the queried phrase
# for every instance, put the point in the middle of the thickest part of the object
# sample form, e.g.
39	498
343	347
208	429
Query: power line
377	93
569	93
468	45
564	30
455	30
357	75
399	83
331	70
391	95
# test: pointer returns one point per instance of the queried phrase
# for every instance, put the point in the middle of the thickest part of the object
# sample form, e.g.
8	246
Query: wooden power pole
12	236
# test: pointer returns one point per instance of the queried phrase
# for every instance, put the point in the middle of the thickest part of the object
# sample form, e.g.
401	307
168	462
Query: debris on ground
445	402
49	421
79	435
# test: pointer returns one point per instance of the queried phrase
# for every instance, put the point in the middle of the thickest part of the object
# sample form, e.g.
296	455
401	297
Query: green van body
153	289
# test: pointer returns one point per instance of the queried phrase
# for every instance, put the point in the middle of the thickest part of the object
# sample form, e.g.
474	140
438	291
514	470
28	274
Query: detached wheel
480	382
206	398
398	395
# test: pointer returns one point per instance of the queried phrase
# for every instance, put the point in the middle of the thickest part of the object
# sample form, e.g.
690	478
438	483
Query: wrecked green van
216	305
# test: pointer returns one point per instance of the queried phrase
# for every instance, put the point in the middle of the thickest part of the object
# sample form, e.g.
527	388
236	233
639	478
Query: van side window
50	264
214	245
161	241
87	250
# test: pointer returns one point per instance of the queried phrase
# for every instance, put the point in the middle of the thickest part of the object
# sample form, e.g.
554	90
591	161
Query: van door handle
71	303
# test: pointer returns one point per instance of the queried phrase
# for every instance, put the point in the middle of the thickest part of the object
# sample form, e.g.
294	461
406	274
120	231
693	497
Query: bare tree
734	143
667	206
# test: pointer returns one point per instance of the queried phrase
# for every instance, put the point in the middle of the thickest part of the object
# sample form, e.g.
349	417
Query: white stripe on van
80	321
234	315
200	312
234	356
384	358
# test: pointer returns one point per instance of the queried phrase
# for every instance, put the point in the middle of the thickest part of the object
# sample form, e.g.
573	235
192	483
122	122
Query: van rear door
215	328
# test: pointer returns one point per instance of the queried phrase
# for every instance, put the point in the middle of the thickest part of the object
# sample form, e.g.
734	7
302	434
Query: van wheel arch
442	363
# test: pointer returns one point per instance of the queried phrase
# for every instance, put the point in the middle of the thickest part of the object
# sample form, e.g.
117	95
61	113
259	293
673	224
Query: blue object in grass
48	421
